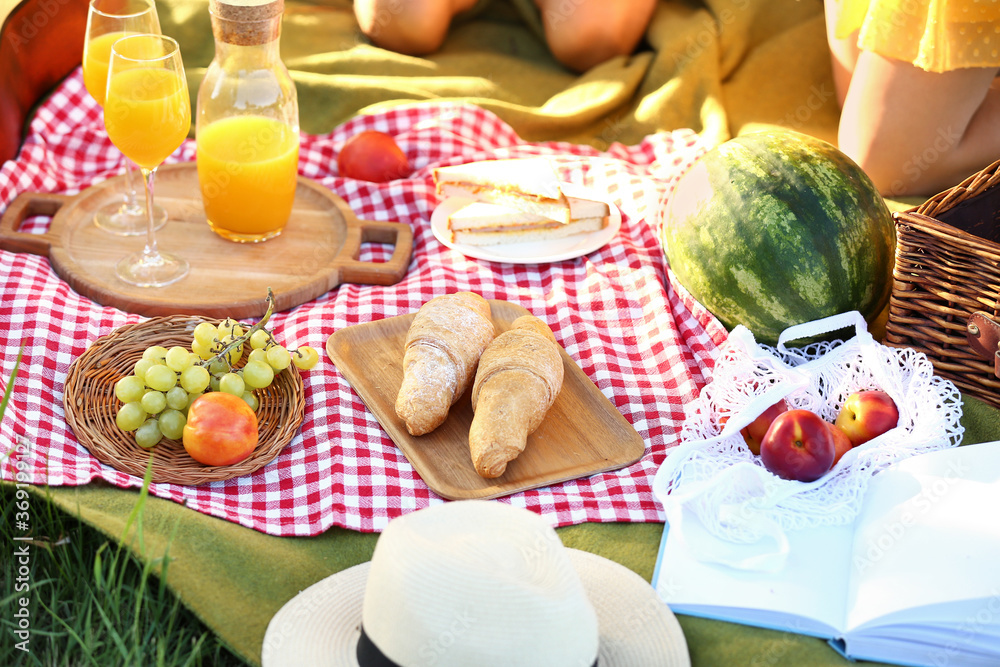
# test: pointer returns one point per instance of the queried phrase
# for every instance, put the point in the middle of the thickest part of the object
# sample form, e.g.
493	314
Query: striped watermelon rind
777	228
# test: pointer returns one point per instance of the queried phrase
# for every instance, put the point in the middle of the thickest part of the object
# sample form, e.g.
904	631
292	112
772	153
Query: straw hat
478	583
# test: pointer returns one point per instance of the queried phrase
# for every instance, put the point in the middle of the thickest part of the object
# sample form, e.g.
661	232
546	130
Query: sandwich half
484	224
528	185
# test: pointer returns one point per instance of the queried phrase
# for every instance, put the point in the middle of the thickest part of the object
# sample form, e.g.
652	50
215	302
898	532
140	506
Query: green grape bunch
165	382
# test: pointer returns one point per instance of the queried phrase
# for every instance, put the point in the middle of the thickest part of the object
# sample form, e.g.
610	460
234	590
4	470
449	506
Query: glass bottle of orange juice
247	124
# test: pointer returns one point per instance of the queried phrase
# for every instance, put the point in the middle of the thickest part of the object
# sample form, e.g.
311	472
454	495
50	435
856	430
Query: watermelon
777	228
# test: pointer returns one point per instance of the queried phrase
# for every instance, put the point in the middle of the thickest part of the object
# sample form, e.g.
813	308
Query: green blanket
723	68
235	578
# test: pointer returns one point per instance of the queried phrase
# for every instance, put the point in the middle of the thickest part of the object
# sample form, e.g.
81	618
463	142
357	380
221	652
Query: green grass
90	601
82	599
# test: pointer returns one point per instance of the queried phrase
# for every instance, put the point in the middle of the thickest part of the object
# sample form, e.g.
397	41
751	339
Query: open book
915	579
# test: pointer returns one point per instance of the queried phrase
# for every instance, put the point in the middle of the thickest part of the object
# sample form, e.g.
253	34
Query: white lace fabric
713	476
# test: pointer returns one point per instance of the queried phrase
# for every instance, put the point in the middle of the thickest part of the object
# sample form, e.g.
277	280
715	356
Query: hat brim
321	625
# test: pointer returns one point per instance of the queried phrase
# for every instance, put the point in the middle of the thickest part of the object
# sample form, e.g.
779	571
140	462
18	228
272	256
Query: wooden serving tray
582	434
317	251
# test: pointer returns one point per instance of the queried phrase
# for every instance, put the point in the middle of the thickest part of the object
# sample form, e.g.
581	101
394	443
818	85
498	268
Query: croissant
441	352
518	379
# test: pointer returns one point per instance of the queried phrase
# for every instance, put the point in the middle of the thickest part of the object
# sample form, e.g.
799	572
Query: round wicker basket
90	404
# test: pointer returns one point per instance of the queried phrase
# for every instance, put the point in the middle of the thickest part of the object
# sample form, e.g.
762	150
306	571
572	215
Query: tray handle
376	273
24	206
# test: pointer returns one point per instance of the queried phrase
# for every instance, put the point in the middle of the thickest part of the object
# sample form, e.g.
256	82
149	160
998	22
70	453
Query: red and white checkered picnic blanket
617	312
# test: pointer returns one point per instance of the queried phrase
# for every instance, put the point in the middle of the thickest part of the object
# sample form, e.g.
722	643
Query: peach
754	432
841	443
221	429
372	156
798	446
867	414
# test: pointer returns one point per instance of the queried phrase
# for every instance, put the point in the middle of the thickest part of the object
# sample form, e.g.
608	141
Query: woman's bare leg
916	132
412	27
585	33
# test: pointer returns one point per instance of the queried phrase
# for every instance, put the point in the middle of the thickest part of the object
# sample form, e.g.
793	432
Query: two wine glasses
137	75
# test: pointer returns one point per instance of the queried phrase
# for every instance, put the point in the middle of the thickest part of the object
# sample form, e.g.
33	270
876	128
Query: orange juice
248	171
147	113
95	64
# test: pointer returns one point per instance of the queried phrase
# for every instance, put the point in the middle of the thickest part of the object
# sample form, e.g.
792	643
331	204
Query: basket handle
983	334
819	327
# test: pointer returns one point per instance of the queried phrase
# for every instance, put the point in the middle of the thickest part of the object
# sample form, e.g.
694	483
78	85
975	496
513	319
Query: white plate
531	252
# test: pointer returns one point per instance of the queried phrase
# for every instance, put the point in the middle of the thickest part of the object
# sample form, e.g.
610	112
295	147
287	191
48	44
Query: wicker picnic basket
947	272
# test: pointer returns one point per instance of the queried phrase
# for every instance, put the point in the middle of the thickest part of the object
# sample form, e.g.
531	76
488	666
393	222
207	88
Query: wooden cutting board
582	434
317	251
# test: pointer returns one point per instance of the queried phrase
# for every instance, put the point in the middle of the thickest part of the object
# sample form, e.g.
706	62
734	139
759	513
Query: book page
806	597
928	535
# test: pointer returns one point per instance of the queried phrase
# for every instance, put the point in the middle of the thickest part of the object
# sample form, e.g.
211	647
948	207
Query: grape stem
223	354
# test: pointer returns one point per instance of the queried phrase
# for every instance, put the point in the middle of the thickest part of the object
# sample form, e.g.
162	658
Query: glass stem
151	252
131	205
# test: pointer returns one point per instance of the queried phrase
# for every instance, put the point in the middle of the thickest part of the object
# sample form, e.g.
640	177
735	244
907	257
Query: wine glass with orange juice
108	21
148	115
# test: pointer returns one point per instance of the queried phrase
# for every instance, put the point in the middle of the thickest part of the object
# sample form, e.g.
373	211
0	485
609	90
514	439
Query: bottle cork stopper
246	22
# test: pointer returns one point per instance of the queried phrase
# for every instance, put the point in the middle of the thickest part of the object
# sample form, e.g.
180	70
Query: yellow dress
934	35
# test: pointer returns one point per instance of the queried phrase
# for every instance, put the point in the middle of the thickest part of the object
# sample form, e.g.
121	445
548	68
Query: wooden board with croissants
580	434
